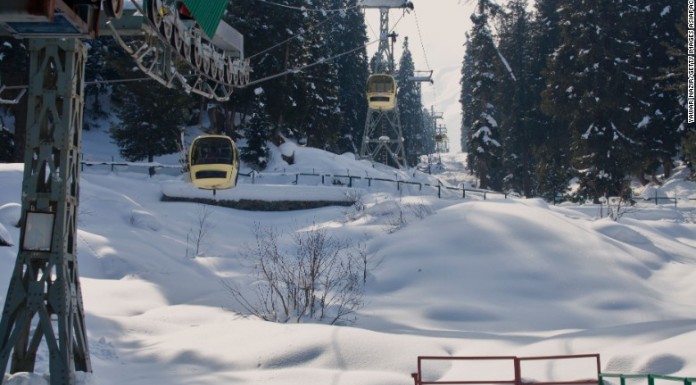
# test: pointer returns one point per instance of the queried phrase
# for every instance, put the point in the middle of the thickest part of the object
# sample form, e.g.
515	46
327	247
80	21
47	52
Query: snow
644	122
665	11
461	277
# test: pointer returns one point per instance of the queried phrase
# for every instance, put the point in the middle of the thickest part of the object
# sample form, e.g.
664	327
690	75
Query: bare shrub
617	207
357	209
420	210
198	234
318	278
396	221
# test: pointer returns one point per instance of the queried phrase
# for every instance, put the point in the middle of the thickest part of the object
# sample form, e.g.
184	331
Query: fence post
463	193
518	372
112	163
484	195
398	185
297	178
655	197
439	191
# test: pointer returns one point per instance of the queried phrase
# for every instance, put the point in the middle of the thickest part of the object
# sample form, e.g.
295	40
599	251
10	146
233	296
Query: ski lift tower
44	298
420	77
383	136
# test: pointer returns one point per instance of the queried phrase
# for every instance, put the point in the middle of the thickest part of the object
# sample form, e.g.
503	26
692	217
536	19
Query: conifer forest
554	93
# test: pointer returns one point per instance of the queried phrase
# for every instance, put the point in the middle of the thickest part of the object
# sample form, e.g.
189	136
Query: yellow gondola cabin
381	92
213	162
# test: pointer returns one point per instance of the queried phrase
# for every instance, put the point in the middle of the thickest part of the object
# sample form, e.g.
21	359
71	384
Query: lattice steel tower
44	298
383	140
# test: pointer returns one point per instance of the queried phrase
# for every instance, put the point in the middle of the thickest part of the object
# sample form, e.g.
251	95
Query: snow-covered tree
152	117
517	102
591	80
553	170
484	141
274	34
257	131
349	33
318	97
660	120
465	96
410	107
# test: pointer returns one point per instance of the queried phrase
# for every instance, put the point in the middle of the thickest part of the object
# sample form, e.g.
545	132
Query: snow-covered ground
462	277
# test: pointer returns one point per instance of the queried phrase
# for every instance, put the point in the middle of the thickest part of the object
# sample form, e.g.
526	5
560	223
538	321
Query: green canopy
207	13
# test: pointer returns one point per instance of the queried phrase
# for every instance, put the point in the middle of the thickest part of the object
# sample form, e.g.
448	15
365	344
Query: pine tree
484	142
318	98
273	35
465	97
14	73
428	132
257	133
97	70
660	117
410	107
516	100
688	147
591	84
348	34
674	76
553	170
152	117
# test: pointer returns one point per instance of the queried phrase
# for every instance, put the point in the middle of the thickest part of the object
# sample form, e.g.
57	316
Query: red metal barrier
516	368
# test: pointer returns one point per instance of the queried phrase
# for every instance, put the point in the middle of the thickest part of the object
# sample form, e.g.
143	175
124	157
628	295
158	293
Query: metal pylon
44	300
383	134
383	140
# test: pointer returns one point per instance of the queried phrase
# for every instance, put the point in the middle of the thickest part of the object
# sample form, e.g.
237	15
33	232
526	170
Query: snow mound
144	220
24	378
10	214
621	233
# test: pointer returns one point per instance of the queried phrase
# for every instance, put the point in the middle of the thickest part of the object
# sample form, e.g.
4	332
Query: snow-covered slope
450	277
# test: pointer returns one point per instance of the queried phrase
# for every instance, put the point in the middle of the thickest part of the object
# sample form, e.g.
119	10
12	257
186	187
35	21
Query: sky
439	46
448	277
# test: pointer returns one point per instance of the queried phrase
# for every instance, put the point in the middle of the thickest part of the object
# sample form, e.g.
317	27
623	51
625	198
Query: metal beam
382	139
44	299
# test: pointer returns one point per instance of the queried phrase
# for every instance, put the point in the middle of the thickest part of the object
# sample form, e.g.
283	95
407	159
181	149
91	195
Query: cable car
381	92
213	162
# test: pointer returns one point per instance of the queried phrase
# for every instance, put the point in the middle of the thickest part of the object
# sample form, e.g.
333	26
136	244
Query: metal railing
326	177
650	377
516	366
